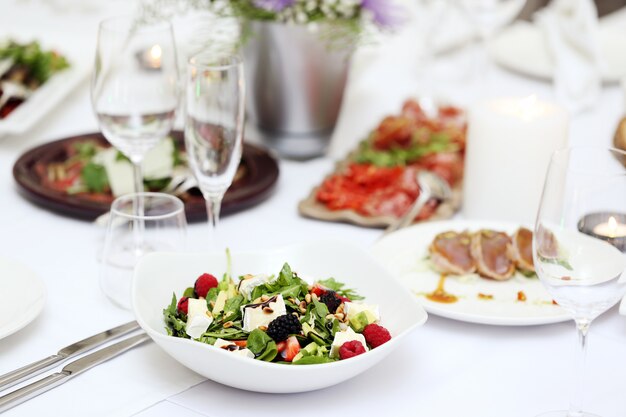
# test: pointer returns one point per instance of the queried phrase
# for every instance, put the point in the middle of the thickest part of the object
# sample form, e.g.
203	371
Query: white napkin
380	78
571	31
384	74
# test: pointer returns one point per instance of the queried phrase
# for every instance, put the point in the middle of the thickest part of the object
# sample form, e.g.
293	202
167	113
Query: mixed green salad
31	65
93	168
276	318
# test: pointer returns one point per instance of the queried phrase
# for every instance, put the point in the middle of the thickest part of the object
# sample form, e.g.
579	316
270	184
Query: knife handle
30	391
15	377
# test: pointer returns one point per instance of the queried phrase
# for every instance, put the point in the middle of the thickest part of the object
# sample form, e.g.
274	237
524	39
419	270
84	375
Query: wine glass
215	96
165	229
134	90
582	270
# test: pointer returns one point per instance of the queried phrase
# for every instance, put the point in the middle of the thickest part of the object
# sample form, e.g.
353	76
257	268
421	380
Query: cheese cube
261	314
343	337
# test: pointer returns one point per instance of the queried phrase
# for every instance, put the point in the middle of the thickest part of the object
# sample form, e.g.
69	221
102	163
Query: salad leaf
178	157
95	177
438	142
212	295
263	346
175	325
338	287
232	306
85	150
157	184
189	292
312	360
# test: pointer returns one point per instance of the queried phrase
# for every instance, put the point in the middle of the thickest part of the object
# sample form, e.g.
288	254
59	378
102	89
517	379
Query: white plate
22	296
404	252
158	275
49	95
522	48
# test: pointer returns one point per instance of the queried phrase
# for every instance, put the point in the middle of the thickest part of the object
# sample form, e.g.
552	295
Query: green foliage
94	177
40	64
338	287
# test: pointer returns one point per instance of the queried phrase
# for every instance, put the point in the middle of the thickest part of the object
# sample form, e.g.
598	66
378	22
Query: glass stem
213	206
576	402
138	207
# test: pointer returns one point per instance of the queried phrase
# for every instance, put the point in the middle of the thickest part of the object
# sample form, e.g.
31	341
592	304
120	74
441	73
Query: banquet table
444	368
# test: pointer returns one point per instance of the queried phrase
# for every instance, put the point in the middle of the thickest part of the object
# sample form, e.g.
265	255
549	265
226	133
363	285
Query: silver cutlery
15	377
432	186
72	369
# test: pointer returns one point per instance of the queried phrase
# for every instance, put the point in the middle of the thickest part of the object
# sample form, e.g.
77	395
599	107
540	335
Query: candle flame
156	52
612	226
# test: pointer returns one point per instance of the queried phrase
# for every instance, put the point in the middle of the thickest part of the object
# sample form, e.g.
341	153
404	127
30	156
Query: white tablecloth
445	368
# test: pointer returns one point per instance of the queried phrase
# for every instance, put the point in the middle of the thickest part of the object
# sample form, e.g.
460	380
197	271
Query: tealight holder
607	226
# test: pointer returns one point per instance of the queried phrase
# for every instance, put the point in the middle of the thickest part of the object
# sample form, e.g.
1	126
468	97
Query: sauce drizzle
440	295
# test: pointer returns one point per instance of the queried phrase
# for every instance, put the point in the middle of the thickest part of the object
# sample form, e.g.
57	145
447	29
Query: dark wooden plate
260	173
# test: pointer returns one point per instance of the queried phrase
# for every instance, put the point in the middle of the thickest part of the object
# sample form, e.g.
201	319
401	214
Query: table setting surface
443	368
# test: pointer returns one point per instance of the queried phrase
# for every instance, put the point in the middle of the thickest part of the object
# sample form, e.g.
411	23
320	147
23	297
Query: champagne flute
134	91
215	96
584	273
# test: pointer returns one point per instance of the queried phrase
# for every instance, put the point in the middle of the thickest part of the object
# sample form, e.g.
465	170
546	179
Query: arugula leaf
175	325
320	309
212	295
189	292
157	184
232	306
438	142
119	156
95	177
557	261
263	346
312	360
338	287
177	156
85	150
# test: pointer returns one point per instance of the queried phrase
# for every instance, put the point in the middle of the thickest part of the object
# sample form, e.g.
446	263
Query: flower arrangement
345	17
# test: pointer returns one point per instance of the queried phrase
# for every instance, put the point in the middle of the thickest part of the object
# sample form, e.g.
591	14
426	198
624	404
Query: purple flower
273	5
385	14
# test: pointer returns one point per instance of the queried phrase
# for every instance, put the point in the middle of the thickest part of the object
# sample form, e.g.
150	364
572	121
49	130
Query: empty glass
214	125
165	229
580	267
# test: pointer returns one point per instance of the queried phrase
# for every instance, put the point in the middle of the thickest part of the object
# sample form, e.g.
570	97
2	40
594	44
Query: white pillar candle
509	144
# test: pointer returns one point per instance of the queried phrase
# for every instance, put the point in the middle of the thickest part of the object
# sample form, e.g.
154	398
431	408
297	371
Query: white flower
301	17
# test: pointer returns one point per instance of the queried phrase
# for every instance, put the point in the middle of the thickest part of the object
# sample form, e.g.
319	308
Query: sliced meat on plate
490	252
450	253
521	249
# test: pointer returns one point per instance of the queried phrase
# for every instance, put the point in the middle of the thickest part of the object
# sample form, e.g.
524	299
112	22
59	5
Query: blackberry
281	327
331	300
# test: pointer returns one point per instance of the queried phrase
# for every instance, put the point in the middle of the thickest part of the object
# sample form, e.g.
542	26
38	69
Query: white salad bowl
158	275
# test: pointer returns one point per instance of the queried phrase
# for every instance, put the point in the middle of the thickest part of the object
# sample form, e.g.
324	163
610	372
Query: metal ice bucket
295	82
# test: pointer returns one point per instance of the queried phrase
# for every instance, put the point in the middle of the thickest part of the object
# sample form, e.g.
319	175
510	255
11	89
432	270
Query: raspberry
376	335
281	327
350	349
203	284
332	301
183	305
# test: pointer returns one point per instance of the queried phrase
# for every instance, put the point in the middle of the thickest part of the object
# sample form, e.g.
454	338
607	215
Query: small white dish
522	48
404	252
48	96
22	297
158	275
